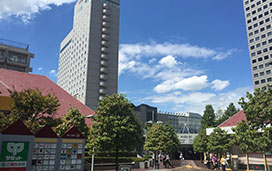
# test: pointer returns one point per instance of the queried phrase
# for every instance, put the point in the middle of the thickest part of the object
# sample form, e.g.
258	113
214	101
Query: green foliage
161	138
34	108
208	118
219	141
6	120
201	141
253	135
257	108
246	138
229	112
73	118
115	127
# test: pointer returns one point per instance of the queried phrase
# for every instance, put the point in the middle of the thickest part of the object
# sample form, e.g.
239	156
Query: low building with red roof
19	81
230	123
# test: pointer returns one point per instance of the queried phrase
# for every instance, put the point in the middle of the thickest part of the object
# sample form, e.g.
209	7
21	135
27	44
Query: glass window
256	82
261	66
2	54
256	75
268	72
261	73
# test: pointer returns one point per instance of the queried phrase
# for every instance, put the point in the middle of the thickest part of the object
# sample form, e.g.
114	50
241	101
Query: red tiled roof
17	128
46	132
20	81
234	120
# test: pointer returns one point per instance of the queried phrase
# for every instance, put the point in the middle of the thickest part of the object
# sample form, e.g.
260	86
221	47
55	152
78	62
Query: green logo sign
14	151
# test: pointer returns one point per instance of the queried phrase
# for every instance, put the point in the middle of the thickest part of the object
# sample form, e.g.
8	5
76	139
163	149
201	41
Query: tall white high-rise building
258	14
88	61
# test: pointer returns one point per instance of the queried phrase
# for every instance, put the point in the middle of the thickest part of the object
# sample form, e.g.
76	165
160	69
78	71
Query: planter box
142	165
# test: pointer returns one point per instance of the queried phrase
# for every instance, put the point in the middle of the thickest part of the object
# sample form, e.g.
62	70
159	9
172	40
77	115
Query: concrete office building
258	15
88	61
15	56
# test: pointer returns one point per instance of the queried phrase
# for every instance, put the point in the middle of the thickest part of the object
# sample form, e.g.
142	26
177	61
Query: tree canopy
161	138
219	141
115	126
254	135
201	141
208	118
73	118
33	108
228	113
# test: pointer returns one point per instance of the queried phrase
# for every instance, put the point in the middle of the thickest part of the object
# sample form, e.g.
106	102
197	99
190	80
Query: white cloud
169	61
196	101
40	68
193	83
219	84
25	9
188	84
53	72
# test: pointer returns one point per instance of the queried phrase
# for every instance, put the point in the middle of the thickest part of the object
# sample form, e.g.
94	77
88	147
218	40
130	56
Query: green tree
208	118
254	135
73	118
34	108
161	138
258	108
115	127
200	142
228	113
6	120
219	141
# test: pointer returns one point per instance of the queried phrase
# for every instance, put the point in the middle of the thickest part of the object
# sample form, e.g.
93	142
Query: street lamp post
92	166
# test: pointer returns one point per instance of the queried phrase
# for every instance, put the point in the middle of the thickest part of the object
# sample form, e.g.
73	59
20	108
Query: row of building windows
262	81
261	66
259	9
266	57
14	58
258	3
262	73
259	52
259	44
259	24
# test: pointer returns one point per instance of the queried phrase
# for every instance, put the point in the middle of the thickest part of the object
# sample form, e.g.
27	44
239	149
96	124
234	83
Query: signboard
71	156
14	154
44	156
187	138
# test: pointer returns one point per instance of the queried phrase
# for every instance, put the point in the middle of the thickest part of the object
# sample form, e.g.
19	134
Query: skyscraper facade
88	60
258	15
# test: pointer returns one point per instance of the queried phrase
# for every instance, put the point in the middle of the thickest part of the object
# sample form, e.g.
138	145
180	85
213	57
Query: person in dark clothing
208	161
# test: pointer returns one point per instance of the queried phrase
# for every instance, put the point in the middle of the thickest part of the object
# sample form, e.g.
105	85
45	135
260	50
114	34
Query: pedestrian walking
168	162
207	161
214	162
224	162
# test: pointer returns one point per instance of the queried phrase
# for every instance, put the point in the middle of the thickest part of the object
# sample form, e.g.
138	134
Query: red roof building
19	81
234	120
230	123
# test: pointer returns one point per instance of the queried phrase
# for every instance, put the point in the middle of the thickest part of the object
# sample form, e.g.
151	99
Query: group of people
164	158
212	162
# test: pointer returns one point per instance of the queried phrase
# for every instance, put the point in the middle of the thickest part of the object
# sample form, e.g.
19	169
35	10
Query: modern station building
15	56
186	125
258	15
88	61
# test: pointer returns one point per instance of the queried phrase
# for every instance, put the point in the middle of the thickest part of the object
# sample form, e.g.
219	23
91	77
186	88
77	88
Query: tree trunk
116	159
247	161
265	163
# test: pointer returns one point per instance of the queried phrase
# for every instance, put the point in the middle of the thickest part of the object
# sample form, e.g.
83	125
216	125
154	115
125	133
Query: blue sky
177	55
